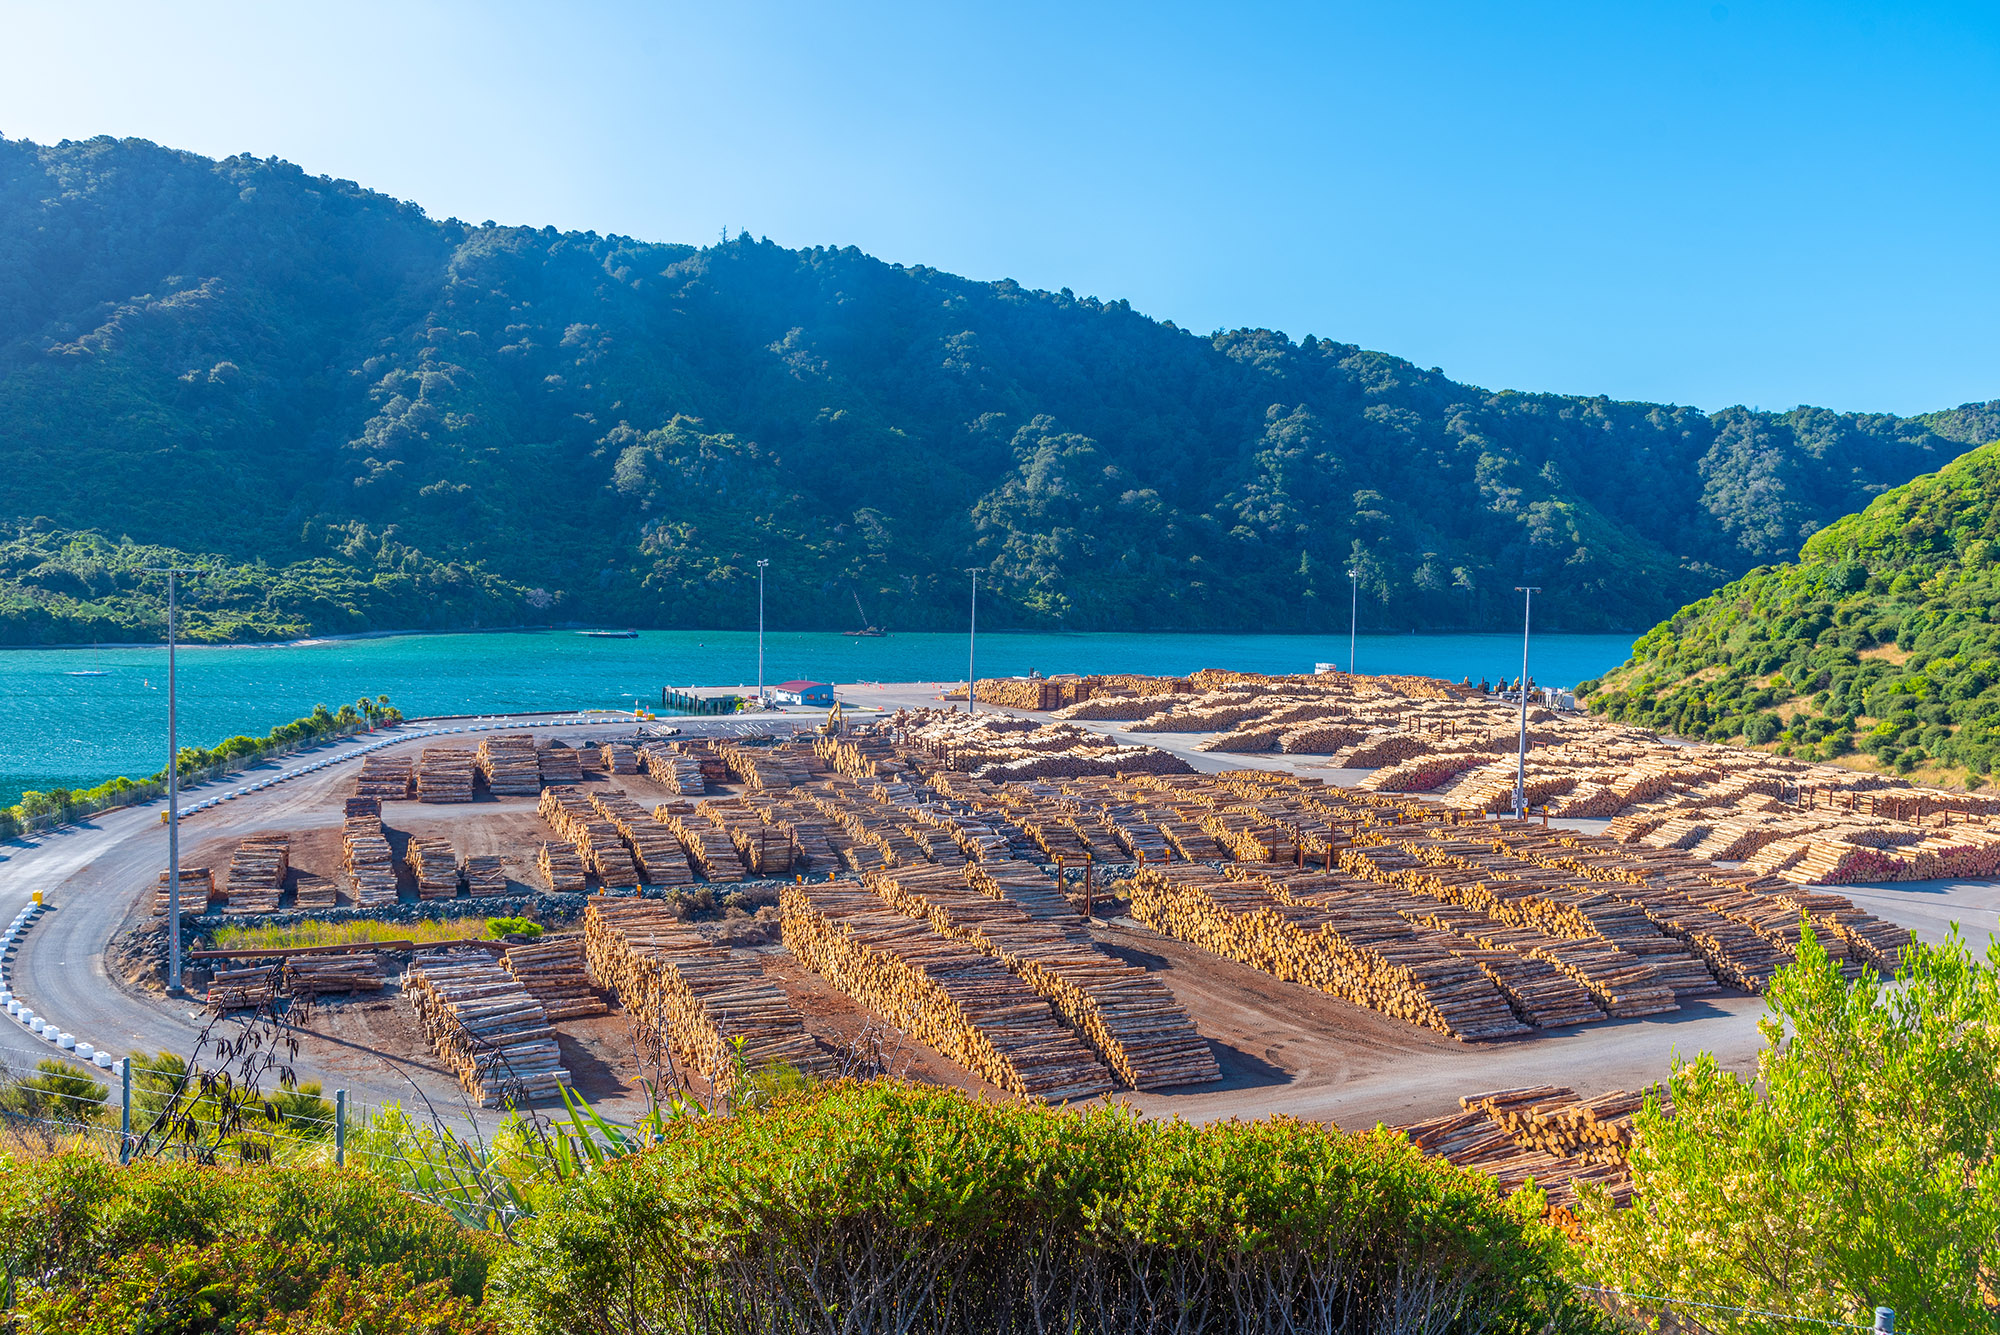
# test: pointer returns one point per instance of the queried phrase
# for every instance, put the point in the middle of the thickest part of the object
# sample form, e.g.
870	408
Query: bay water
61	729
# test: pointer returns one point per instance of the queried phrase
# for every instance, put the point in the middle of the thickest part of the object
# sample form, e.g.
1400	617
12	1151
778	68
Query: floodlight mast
1521	758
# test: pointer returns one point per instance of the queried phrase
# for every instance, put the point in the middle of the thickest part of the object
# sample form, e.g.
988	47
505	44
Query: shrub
248	1286
59	1092
1856	1168
65	1221
880	1206
497	928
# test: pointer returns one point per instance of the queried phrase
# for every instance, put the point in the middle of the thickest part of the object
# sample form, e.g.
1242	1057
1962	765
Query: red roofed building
803	693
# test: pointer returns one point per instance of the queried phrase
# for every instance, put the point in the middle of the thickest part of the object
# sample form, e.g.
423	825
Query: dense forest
354	416
1883	638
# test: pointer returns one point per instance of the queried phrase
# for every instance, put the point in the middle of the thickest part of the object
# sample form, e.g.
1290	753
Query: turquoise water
59	730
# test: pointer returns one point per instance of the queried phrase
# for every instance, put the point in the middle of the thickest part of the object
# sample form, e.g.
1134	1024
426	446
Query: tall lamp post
1353	611
760	633
173	787
1521	759
972	647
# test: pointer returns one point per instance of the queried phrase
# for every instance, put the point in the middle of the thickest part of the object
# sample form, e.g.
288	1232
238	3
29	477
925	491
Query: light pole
760	633
1353	611
972	647
173	789
1521	760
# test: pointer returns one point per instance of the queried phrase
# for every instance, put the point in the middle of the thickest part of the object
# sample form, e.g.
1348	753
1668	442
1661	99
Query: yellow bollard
38	897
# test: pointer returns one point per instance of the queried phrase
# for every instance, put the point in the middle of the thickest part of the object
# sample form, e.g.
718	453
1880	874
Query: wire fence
1885	1318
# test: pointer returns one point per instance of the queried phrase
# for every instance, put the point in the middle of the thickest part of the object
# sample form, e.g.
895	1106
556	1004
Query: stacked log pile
596	839
675	770
483	874
257	872
435	865
311	893
197	888
510	766
656	854
1544	1133
711	1011
557	763
1125	1014
486	1027
370	865
384	778
967	1006
618	758
561	867
553	972
1371	957
706	843
444	774
257	984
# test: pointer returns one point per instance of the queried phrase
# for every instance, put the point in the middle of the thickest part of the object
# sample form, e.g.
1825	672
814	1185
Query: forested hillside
1883	638
360	417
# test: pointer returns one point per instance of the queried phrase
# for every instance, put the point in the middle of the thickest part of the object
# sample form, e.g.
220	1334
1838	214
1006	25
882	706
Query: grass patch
357	933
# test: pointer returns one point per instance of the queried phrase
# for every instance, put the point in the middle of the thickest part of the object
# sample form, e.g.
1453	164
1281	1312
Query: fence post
125	1111
1885	1320
339	1128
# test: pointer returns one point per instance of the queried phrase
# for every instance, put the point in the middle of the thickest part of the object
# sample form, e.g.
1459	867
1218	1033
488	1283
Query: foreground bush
888	1207
91	1247
1860	1168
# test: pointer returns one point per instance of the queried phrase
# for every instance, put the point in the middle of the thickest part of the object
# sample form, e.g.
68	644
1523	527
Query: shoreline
578	628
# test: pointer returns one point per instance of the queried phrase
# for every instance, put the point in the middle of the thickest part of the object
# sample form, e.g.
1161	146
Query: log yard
1223	895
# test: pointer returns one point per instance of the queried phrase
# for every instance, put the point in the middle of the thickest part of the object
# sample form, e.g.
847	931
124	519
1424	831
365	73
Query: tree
1860	1168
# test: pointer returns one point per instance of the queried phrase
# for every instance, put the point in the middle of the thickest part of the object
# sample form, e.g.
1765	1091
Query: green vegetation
504	927
353	416
1861	1167
884	1204
1882	638
90	1248
358	932
68	803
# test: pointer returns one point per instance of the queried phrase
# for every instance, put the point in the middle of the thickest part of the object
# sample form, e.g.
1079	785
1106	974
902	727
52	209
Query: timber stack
361	806
509	765
483	874
257	872
435	865
486	1027
1547	1133
1358	952
552	970
694	1001
596	839
384	778
371	866
949	995
559	764
197	888
297	976
655	851
674	770
561	867
444	774
618	758
708	844
1125	1014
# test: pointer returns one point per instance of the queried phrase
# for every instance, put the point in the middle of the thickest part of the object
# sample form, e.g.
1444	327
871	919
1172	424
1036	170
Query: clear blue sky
1702	203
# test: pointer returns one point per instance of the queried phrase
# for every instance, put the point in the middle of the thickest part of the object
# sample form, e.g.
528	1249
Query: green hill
1883	639
359	417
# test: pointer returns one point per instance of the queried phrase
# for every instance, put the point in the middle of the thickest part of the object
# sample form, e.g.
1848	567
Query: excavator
836	722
